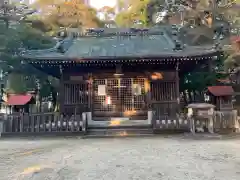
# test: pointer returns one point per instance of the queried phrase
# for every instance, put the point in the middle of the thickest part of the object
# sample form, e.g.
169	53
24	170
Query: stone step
119	132
131	126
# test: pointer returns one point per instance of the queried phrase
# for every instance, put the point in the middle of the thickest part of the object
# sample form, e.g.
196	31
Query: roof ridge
105	32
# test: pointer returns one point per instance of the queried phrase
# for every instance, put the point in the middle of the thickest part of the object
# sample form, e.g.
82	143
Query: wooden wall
160	92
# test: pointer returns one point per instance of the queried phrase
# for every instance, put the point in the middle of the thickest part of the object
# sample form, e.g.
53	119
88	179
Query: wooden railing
44	122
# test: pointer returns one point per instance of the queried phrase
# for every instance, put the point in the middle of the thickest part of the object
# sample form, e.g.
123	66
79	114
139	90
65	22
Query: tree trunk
6	23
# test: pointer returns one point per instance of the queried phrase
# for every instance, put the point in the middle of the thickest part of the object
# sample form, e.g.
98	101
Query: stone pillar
89	116
210	124
84	122
192	125
236	122
150	116
191	117
210	120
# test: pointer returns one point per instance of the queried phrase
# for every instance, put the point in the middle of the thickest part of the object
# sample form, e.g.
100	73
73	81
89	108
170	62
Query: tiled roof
155	42
14	99
195	36
221	90
235	38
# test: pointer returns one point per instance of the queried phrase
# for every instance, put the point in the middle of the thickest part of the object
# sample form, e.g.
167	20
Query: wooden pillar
147	90
90	92
210	65
177	94
177	86
61	91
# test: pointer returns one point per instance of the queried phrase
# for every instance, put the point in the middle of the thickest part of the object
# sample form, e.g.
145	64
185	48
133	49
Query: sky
101	3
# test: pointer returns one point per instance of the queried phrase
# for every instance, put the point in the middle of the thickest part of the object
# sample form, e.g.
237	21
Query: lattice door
121	95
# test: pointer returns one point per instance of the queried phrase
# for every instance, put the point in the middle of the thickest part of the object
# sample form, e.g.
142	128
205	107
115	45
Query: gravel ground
172	158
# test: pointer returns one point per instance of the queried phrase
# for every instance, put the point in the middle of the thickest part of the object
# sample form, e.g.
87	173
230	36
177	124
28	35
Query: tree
135	15
143	13
23	77
108	18
73	13
108	12
16	84
232	62
193	85
11	12
15	40
153	8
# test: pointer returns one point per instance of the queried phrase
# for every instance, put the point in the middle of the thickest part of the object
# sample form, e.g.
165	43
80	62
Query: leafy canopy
73	13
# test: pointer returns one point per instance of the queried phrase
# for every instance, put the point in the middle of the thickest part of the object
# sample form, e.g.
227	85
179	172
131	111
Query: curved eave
53	66
165	57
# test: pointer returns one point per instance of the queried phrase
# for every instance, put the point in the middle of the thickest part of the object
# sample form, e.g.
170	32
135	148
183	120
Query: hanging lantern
156	76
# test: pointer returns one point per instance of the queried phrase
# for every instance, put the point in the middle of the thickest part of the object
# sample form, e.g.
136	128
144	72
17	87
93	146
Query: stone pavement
214	136
165	158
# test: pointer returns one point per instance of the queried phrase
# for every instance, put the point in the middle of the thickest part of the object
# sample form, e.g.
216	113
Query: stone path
153	158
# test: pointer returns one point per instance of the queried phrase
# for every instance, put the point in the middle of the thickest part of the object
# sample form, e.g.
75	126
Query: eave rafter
160	60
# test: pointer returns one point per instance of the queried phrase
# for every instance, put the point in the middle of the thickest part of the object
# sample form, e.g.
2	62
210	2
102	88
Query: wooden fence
44	122
226	120
164	118
223	121
54	122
